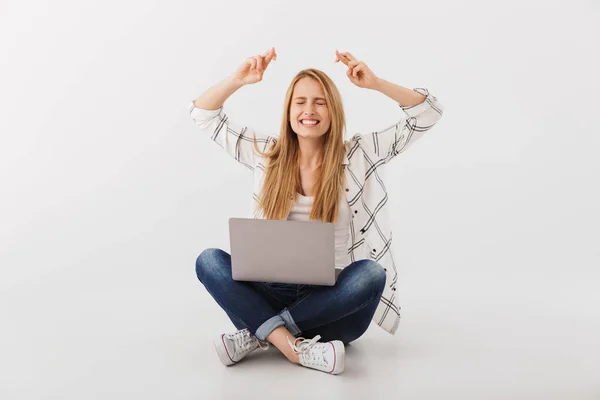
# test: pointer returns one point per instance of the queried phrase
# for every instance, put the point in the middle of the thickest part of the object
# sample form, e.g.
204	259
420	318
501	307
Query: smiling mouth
309	122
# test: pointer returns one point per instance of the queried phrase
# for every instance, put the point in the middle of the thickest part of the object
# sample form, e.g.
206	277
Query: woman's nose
309	109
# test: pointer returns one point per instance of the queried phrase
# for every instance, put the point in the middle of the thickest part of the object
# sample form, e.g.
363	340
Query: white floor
76	336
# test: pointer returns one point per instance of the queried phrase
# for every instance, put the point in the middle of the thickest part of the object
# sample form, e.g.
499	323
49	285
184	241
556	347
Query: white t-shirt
301	211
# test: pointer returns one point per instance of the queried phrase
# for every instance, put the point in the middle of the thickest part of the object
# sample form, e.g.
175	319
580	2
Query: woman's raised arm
422	109
208	115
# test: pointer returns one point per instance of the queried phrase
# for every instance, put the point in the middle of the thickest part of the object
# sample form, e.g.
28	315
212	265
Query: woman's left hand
358	72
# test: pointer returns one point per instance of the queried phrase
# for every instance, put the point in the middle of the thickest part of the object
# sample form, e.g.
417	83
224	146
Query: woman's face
309	111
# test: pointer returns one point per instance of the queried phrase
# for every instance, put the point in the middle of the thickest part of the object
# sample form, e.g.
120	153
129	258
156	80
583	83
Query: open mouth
309	122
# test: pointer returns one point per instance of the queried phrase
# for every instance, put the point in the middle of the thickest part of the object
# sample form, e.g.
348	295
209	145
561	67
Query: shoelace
244	341
313	355
263	346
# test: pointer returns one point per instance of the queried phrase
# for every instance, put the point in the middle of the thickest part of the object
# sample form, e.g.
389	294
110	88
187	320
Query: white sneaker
327	357
232	347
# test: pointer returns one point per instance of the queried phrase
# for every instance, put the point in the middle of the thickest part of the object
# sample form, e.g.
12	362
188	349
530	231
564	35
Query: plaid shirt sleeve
384	145
236	140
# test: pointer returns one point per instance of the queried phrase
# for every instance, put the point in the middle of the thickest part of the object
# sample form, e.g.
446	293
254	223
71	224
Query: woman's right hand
251	71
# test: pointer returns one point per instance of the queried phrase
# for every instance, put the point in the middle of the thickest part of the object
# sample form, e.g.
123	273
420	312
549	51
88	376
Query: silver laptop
301	252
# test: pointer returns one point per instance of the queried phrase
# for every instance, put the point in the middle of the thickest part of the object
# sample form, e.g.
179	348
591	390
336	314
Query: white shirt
301	212
366	195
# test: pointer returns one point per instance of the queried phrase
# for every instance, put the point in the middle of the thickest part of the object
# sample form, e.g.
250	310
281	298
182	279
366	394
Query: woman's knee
372	275
209	262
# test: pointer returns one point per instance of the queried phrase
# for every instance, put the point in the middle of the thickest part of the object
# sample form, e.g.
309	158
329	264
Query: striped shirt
370	232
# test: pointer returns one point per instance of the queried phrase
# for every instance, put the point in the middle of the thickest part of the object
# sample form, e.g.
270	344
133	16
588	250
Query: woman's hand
251	71
358	72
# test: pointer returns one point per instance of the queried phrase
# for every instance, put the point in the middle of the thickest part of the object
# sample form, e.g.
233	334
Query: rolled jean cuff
268	326
289	322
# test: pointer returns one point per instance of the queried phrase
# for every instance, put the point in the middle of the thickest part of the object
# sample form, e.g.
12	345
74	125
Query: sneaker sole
222	351
340	357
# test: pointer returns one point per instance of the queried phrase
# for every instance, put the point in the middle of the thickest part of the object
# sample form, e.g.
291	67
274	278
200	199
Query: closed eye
319	104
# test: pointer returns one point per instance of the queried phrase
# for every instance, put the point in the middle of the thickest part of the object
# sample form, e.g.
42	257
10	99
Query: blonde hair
282	179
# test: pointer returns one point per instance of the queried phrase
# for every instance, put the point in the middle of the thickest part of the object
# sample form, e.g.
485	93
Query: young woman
309	172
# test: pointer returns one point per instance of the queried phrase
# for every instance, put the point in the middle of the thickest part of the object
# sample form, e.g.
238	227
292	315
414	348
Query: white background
108	195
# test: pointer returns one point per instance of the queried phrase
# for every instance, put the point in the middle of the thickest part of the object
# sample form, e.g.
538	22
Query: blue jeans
341	312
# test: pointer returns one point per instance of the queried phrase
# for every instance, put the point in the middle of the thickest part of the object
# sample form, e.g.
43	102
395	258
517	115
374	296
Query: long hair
282	180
